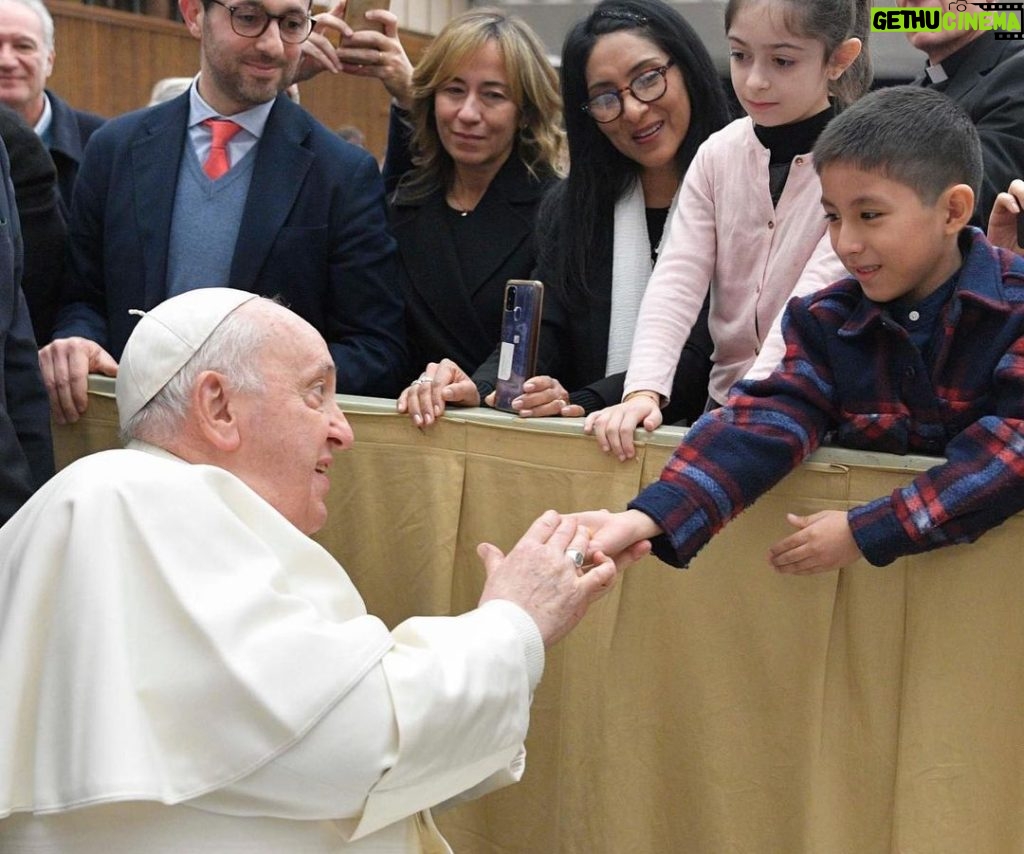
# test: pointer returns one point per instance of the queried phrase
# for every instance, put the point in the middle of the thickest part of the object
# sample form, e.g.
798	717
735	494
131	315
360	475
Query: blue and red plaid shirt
851	374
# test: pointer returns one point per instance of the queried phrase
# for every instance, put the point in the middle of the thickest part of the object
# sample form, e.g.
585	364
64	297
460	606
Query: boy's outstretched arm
823	542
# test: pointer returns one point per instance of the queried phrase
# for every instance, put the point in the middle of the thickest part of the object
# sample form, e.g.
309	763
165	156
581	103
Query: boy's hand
823	542
624	536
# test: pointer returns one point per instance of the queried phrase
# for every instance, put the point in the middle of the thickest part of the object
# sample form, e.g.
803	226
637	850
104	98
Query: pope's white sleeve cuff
529	634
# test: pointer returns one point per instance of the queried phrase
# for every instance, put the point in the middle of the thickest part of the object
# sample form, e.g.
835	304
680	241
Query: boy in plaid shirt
920	351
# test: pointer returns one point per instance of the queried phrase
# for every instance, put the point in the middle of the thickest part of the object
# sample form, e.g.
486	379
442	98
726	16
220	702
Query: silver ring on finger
576	556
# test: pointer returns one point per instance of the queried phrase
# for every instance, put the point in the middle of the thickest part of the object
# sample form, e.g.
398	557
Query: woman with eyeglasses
640	95
480	117
749	229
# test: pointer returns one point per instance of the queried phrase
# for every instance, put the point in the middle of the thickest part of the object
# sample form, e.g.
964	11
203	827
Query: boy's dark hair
909	134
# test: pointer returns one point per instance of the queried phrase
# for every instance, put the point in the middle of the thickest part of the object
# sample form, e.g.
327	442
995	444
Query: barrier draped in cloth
723	708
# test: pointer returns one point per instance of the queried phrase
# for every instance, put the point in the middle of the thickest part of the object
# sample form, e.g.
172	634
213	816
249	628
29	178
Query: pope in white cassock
184	670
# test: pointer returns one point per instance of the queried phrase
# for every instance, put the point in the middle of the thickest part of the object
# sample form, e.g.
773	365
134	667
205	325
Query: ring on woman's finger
422	379
576	556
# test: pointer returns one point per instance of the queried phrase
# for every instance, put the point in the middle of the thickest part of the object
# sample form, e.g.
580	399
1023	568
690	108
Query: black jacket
26	453
987	80
69	131
447	316
43	228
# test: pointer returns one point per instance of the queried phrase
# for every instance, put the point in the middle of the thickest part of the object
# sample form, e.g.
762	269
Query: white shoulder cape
126	585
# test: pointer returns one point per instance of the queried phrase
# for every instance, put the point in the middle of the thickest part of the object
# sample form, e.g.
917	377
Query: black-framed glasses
251	20
646	87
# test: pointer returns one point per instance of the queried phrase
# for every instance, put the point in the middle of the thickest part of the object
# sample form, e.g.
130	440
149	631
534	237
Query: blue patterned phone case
520	335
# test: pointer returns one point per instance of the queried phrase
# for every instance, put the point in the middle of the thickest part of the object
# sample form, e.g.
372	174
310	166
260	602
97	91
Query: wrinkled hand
362	53
538	576
1002	222
66	364
823	542
440	383
613	426
545	396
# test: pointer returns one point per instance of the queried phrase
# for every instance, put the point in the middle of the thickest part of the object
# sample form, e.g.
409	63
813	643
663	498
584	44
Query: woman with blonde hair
475	140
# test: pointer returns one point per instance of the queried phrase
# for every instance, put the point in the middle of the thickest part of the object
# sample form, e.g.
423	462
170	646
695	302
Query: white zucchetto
165	339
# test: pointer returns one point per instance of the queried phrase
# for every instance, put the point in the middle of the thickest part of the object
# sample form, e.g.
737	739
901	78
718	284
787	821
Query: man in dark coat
27	27
26	452
43	228
985	76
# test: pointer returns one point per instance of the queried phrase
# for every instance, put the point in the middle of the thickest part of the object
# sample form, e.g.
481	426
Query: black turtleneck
785	142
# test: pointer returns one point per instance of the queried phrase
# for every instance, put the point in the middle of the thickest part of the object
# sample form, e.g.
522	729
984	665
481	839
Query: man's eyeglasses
251	21
646	87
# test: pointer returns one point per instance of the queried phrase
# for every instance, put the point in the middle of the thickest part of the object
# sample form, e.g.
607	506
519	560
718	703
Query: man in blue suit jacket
311	227
26	454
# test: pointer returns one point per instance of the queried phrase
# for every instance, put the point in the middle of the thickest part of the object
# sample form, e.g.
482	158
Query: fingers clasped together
440	384
552	573
544	396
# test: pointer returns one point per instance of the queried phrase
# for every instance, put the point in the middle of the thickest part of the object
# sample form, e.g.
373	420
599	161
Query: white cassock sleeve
427	726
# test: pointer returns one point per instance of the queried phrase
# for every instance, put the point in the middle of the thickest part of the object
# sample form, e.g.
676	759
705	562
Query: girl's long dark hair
599	175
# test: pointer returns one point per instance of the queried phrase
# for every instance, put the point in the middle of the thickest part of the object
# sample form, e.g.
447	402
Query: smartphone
520	335
355	14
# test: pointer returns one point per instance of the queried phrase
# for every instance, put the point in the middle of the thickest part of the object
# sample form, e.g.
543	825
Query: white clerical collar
936	73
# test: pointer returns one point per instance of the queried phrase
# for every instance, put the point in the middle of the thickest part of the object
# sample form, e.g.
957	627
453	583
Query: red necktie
217	160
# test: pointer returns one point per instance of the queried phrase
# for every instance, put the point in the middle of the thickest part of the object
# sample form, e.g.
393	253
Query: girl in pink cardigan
748	223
